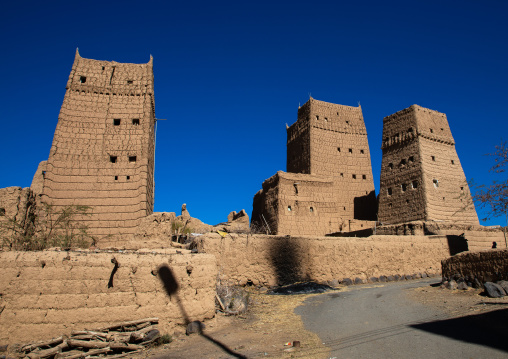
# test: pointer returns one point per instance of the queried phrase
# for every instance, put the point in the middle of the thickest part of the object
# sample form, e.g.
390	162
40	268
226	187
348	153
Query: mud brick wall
477	268
272	260
329	181
18	204
302	204
102	154
46	294
421	175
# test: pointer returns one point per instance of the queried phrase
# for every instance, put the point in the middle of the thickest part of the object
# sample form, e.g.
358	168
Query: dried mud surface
457	302
262	332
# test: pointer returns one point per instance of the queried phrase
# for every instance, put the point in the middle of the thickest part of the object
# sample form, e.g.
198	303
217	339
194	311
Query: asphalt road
382	322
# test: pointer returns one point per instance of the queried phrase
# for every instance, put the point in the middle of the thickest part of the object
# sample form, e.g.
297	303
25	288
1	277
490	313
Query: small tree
495	196
52	229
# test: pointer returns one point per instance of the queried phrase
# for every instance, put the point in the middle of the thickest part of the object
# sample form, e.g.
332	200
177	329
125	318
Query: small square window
436	183
403	187
112	159
132	158
135	121
289	208
453	162
347	122
338	149
130	82
116	122
317	117
354	176
411	159
414	184
461	188
433	158
116	178
128	177
82	79
2	212
311	209
364	177
431	130
342	174
103	68
361	151
389	191
43	174
326	119
390	166
350	150
344	208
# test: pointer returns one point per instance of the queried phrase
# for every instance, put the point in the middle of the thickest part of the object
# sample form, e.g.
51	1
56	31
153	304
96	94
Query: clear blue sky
230	75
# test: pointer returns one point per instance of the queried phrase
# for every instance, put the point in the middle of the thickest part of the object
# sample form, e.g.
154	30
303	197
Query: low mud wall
50	293
272	260
476	268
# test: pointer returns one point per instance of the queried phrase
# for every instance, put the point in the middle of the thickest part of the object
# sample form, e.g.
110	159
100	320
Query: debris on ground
113	341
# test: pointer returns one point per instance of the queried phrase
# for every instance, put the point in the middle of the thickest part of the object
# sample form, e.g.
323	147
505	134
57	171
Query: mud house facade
329	185
102	154
421	175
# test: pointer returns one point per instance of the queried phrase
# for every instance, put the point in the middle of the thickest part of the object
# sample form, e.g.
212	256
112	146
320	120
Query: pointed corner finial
359	105
151	60
77	53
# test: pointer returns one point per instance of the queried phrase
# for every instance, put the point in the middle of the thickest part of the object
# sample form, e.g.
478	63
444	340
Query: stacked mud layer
103	148
421	175
329	185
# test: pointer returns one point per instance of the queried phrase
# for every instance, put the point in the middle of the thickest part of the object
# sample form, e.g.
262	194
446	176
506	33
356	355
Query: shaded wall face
402	194
265	207
103	148
298	143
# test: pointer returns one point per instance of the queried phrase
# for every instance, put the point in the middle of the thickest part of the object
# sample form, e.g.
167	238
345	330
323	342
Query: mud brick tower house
102	154
329	185
421	175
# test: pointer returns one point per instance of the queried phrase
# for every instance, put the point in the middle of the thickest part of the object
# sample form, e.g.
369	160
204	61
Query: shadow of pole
171	287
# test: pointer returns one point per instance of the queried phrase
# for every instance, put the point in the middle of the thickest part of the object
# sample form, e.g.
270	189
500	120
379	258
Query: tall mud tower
421	175
103	149
331	140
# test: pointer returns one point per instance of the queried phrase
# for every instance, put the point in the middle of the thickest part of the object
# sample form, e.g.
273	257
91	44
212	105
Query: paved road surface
381	322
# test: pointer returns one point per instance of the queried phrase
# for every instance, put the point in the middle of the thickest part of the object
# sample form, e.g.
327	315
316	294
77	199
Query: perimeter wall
272	260
47	294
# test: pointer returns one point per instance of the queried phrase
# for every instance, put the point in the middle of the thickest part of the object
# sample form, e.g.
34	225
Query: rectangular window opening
433	158
354	176
130	82
116	122
135	121
361	151
414	184
82	79
389	191
453	162
364	177
116	178
132	158
350	150
112	159
128	177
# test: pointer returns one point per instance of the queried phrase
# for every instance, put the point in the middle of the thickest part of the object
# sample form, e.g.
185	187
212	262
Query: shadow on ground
488	329
172	287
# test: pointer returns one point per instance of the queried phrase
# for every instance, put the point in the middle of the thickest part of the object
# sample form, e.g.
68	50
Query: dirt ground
271	322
